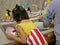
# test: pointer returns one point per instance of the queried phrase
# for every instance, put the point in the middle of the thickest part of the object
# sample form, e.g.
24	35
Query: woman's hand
52	24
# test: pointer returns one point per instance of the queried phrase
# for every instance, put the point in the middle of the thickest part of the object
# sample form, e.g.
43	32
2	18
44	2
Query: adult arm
50	15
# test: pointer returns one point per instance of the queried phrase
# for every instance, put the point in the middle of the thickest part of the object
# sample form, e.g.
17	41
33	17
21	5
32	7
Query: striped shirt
36	38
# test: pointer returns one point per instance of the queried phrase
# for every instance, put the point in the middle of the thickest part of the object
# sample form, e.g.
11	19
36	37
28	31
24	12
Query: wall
8	4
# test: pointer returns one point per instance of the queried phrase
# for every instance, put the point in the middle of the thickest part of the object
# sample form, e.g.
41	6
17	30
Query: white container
11	30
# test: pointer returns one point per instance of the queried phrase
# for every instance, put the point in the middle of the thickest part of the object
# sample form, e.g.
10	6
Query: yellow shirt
48	1
27	27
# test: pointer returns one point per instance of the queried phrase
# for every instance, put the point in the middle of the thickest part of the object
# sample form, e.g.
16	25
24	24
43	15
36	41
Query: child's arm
21	34
46	43
21	38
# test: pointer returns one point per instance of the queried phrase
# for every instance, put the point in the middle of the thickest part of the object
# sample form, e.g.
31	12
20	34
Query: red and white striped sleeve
35	38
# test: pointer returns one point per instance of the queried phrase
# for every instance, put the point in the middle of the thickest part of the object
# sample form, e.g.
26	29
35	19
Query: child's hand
10	36
46	43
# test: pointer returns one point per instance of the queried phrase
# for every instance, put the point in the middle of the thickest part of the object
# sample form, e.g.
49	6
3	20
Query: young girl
27	32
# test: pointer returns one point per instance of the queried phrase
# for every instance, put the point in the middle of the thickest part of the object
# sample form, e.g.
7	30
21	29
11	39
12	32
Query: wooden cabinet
49	35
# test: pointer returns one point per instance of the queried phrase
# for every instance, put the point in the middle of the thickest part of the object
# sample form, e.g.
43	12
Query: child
26	30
